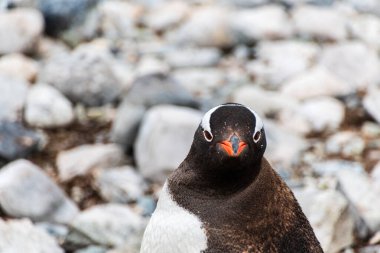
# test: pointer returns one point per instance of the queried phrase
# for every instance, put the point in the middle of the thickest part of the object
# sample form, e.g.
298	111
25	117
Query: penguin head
231	134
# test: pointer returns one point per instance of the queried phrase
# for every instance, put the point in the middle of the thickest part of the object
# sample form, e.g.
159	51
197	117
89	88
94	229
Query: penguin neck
223	179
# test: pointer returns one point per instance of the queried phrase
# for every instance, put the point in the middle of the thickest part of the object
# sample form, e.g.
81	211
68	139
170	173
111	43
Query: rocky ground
99	101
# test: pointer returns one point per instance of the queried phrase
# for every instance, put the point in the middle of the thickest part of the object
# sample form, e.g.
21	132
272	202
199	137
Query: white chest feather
173	229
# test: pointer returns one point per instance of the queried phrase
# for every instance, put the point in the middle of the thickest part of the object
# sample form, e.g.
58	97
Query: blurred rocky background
99	101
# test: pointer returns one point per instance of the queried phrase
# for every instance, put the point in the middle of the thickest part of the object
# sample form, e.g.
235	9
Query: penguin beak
233	146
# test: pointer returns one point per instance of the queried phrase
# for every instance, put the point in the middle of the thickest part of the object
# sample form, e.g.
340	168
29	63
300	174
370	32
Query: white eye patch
205	123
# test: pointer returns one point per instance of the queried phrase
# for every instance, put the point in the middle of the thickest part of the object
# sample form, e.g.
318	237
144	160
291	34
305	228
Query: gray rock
353	62
92	249
166	15
370	130
21	236
207	26
19	30
246	3
370	6
149	65
162	126
278	150
22	185
363	194
193	57
85	76
57	231
120	185
147	205
371	102
370	249
332	167
110	225
320	23
200	81
146	91
267	22
11	88
315	82
264	102
16	141
47	107
367	29
11	64
70	163
346	143
280	60
329	215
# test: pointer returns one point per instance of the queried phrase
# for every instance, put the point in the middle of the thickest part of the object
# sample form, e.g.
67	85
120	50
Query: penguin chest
173	229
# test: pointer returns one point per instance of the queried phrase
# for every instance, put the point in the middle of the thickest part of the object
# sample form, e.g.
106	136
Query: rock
47	107
319	23
19	30
146	91
166	15
207	26
329	215
375	174
346	143
21	236
369	6
117	19
146	205
367	29
193	57
278	151
264	102
149	65
120	185
370	130
353	62
11	88
58	231
85	76
332	167
363	194
200	81
16	141
371	102
245	3
320	114
110	225
49	47
70	163
163	126
315	82
280	60
22	185
92	249
370	249
261	23
10	65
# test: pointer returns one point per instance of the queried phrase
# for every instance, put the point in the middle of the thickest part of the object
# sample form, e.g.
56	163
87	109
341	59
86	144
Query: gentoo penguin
225	197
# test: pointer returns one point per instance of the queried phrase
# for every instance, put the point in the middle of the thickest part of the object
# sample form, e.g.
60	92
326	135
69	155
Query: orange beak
233	146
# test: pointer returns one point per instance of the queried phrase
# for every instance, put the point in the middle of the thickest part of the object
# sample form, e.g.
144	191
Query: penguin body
225	197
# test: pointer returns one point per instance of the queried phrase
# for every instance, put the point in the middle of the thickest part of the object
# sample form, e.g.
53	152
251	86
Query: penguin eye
208	136
257	136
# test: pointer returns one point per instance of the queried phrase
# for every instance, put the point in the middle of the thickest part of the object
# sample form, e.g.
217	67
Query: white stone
12	97
164	140
367	29
18	236
329	215
19	30
332	167
47	107
319	22
83	159
151	65
166	15
280	60
371	102
25	191
315	82
121	185
264	102
363	193
200	81
193	57
346	143
353	62
110	224
267	22
207	26
19	66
